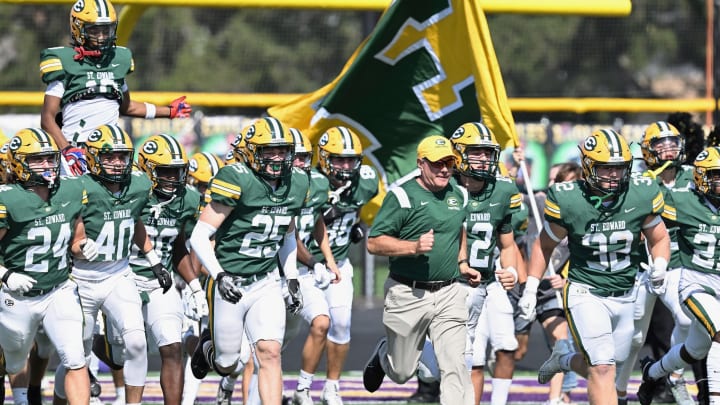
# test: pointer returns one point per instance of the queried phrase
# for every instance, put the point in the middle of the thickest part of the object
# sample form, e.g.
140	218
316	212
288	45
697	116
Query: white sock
20	396
669	362
713	372
191	387
228	383
304	380
332	385
500	391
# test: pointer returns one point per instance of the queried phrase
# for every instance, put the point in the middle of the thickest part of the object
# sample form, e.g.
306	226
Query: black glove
295	300
357	233
163	276
228	290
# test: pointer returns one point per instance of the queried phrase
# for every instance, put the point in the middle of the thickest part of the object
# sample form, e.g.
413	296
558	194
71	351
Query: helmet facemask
99	36
479	162
346	169
272	165
115	166
303	160
169	181
608	184
669	144
37	174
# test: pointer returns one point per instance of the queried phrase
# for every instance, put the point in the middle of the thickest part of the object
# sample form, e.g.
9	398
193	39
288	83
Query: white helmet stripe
102	8
297	138
212	162
614	143
175	148
275	128
347	138
42	137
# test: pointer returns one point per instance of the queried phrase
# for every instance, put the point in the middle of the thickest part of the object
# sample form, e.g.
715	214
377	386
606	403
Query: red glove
75	159
179	108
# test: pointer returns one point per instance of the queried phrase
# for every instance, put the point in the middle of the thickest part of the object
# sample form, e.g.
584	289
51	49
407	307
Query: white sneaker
119	401
302	397
680	392
330	396
552	365
96	401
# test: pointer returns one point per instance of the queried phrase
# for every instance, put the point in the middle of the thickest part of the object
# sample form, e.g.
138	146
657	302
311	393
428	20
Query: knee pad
339	332
135	344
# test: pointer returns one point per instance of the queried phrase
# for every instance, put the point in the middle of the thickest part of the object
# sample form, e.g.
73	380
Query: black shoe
648	386
103	350
34	395
373	373
426	393
95	388
423	398
198	362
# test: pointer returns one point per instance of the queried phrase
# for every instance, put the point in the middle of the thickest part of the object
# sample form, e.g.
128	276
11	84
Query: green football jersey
164	221
605	244
698	230
319	187
409	211
39	232
347	213
87	78
683	180
110	220
248	240
489	214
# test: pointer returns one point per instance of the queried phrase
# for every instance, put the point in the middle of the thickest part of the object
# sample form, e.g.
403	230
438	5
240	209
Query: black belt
423	285
36	292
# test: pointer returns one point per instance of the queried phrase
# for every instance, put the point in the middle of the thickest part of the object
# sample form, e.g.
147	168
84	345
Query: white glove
89	249
323	277
528	301
19	283
656	274
194	299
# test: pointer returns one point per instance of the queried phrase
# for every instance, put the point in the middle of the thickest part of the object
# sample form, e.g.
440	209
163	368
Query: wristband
195	285
150	111
532	284
6	276
152	258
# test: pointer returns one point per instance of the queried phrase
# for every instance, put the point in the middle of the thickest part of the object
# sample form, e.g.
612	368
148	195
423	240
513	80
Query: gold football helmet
5	169
102	144
238	150
658	134
203	166
93	24
268	133
707	172
33	142
606	148
303	149
339	142
474	136
163	159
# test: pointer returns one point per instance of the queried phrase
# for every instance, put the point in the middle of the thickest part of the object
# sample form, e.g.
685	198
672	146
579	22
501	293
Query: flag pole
536	216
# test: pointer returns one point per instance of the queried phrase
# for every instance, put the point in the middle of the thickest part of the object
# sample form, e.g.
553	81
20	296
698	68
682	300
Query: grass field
525	390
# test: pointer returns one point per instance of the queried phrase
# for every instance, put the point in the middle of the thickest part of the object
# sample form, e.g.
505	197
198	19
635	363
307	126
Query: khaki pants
410	315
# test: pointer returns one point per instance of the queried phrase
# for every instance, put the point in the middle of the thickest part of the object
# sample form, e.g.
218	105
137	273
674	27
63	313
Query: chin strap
82	53
598	200
654	173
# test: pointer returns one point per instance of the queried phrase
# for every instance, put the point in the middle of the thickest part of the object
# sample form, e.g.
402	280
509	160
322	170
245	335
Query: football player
491	204
694	213
352	185
86	83
171	210
39	217
663	150
603	217
203	166
117	197
315	276
251	216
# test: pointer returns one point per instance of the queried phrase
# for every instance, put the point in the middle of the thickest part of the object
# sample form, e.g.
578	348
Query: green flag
428	67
